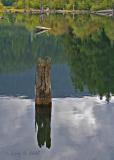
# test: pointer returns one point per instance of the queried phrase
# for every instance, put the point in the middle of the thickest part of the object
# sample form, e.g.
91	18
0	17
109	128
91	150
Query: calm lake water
79	125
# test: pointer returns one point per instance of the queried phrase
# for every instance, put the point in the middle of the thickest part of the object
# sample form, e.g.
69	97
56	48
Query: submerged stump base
43	82
43	102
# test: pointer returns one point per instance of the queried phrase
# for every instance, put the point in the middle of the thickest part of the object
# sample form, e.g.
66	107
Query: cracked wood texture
43	82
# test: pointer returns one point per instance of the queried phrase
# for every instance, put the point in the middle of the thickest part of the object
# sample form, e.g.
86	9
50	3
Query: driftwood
43	82
108	12
40	29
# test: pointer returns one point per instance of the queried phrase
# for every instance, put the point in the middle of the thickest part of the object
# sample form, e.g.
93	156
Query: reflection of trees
15	48
43	122
91	62
18	52
89	54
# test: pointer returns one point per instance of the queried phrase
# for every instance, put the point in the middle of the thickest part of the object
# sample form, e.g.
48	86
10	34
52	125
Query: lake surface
79	125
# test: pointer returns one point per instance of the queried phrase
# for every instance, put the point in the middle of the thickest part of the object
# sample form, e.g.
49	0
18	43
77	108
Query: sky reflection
81	128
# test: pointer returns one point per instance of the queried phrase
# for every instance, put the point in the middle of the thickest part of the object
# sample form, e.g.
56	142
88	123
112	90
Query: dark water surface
79	125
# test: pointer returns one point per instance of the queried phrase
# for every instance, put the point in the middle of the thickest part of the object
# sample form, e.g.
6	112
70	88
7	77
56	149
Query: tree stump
43	82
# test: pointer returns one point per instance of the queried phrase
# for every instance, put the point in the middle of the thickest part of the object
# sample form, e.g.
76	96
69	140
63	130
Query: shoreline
107	12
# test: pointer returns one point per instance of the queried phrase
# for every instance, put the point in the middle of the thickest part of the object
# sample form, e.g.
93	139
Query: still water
79	125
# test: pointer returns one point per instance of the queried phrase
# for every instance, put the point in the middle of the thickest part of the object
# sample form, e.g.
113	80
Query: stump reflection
43	124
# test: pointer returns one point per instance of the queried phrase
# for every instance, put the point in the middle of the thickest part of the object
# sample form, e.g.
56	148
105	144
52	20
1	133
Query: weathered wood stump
43	82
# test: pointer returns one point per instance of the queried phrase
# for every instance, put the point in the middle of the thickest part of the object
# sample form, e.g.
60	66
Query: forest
58	4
